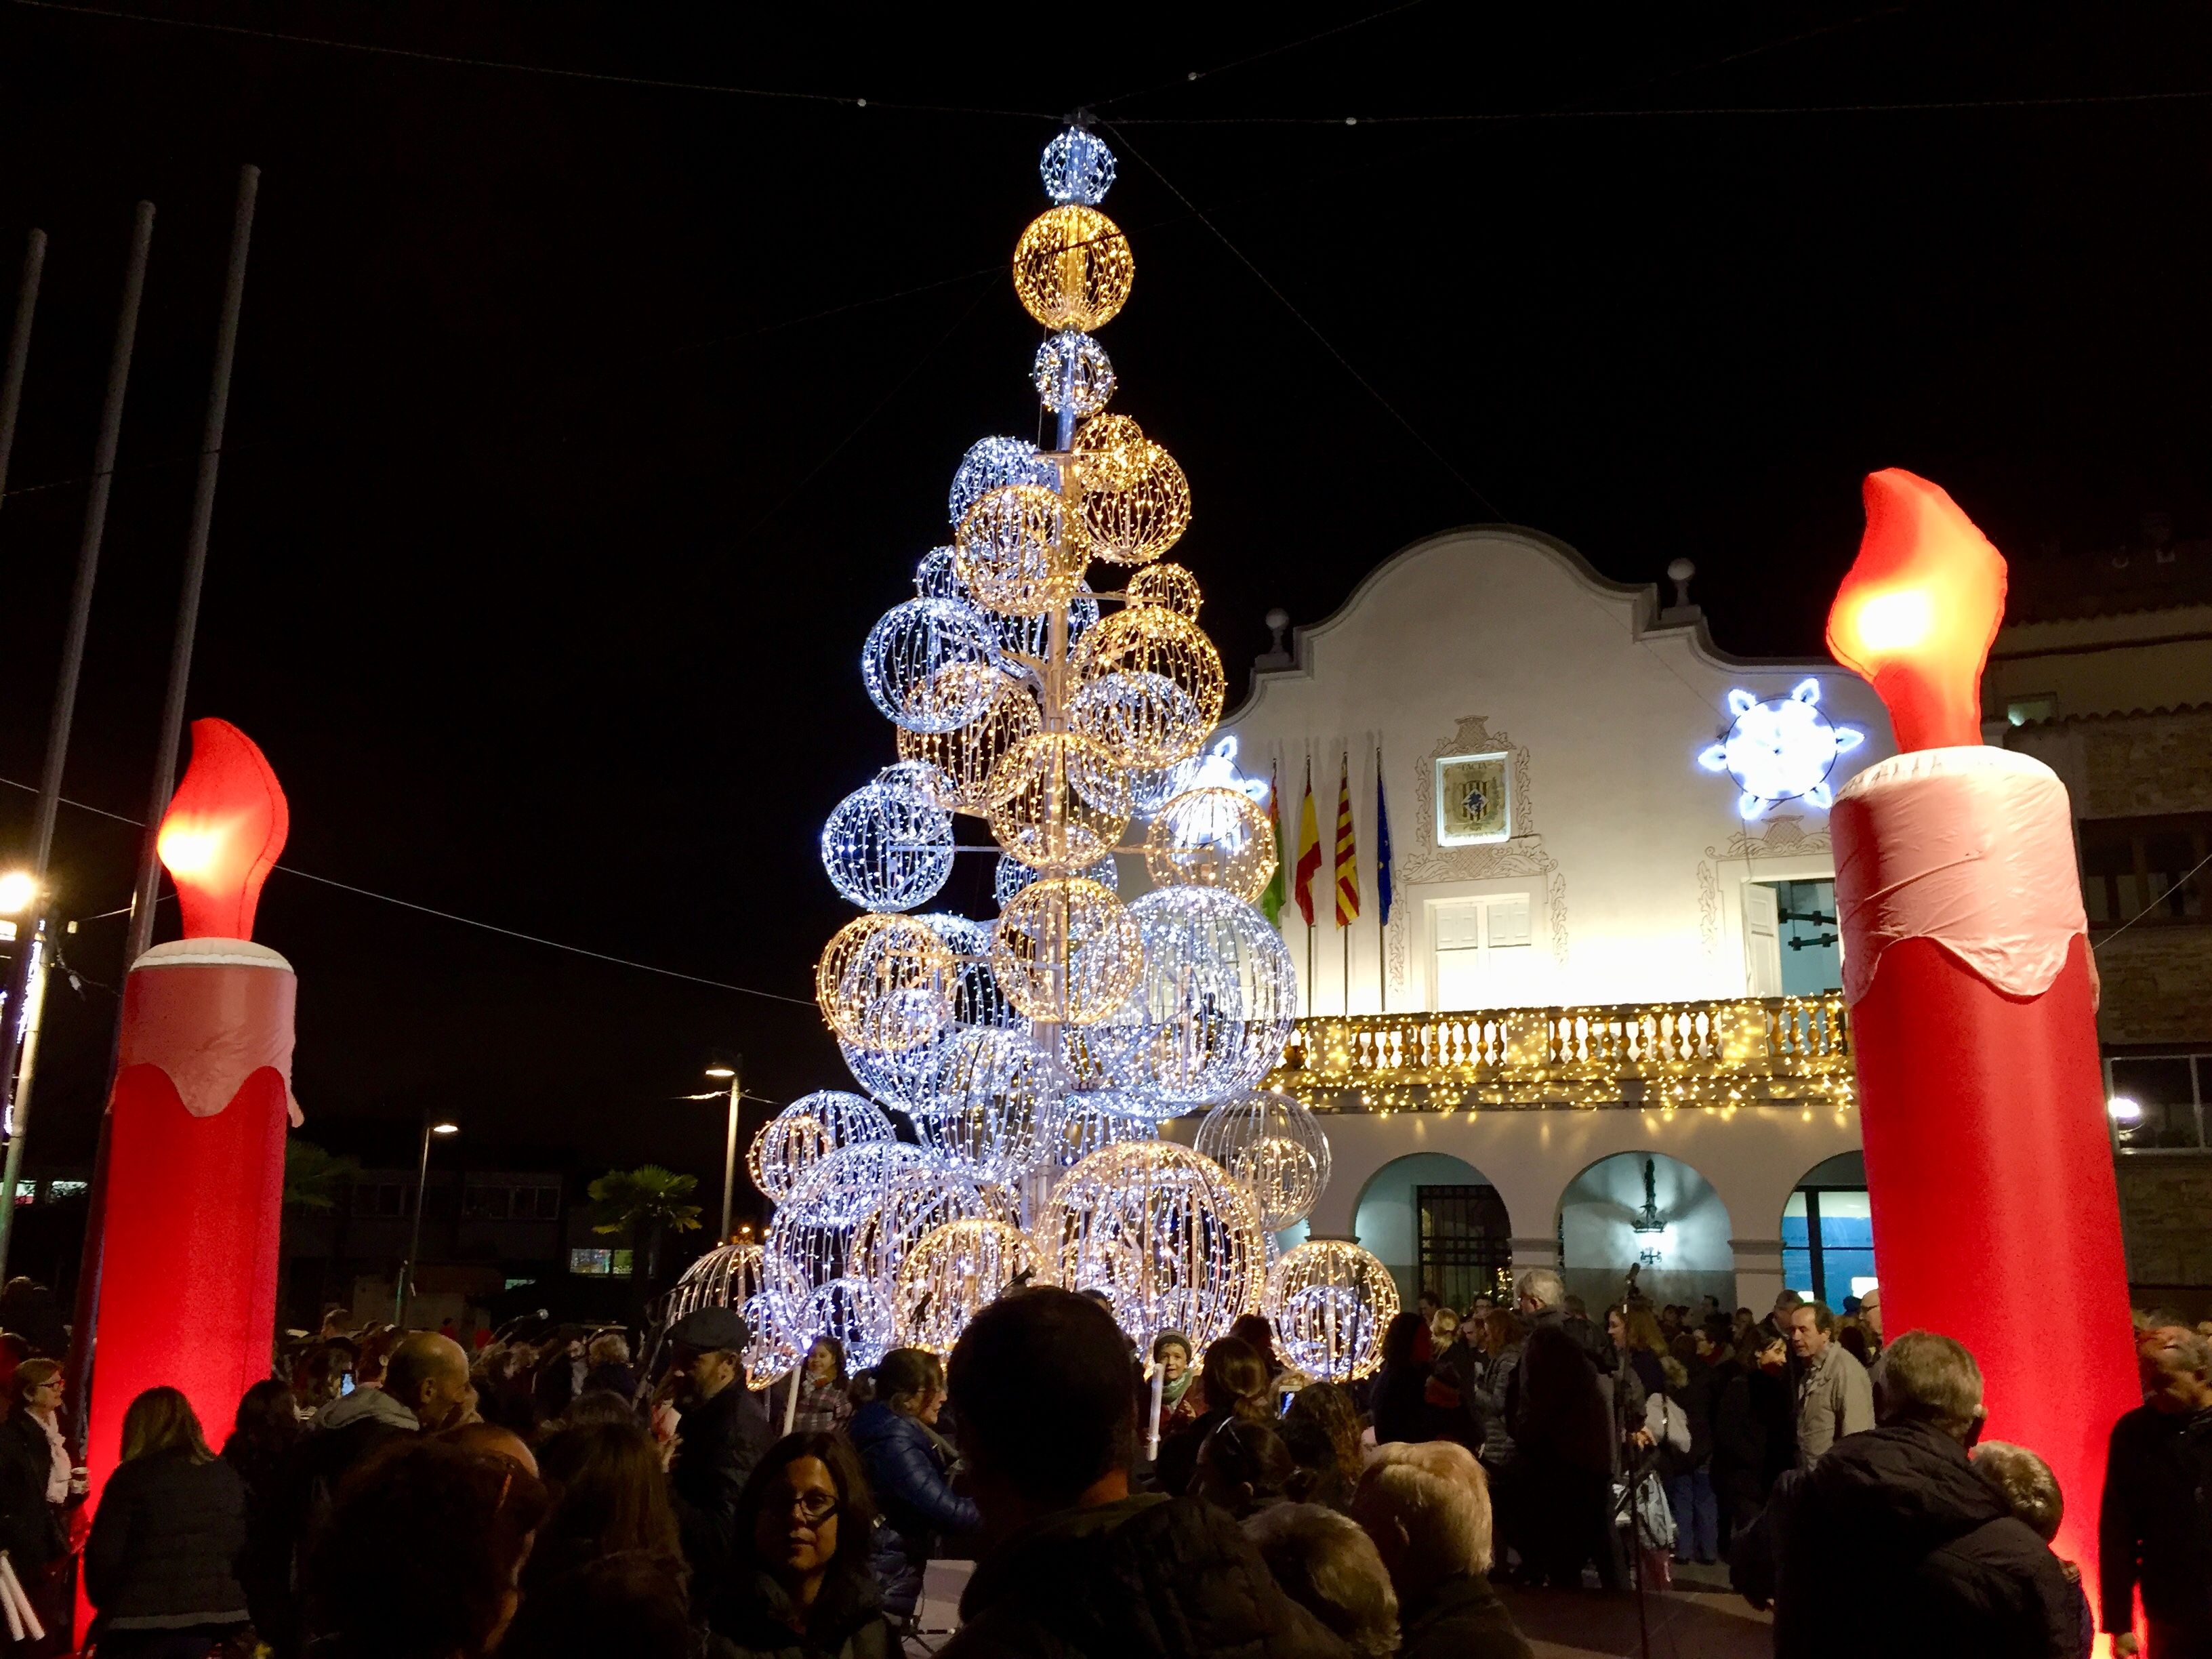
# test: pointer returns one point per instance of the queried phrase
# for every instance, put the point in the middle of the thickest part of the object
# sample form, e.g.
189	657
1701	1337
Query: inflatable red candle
203	1099
1972	993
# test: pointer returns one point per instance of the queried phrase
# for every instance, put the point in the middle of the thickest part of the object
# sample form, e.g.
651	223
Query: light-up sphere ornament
1331	1302
1072	268
727	1276
884	982
792	1144
1058	802
1274	1149
934	578
886	849
1782	748
898	1080
913	1202
1112	451
1140	518
810	1239
1016	552
991	462
1012	875
908	652
1211	838
1025	641
978	998
1068	950
952	1274
1211	1011
1161	1230
851	1312
771	1349
1089	1121
1150	687
966	755
995	1108
1167	585
1072	367
1076	167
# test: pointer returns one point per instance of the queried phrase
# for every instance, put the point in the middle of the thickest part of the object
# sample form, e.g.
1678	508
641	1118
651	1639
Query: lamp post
415	1238
730	1072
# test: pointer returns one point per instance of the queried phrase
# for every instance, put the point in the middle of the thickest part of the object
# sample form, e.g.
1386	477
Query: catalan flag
1271	898
1347	855
1309	851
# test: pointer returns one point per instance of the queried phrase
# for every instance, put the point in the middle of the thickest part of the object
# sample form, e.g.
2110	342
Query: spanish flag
1309	851
1347	855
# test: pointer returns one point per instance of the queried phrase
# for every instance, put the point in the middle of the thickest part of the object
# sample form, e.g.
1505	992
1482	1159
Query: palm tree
645	1203
313	1177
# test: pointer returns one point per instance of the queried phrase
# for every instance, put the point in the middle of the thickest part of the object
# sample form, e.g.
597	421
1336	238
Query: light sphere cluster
1072	269
1073	372
952	1274
1274	1149
1331	1302
1211	838
792	1144
1163	1233
1078	167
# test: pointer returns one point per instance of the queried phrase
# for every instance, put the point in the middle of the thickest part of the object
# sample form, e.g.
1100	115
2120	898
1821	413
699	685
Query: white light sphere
1076	167
1213	1008
1089	1121
978	998
884	848
1211	838
934	578
912	660
854	1314
791	1146
1072	369
1163	1232
1274	1149
727	1276
912	1202
1331	1302
991	463
952	1273
771	1349
994	1106
809	1241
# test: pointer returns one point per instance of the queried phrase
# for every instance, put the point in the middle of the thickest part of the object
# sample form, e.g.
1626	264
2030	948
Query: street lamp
17	888
415	1239
729	1072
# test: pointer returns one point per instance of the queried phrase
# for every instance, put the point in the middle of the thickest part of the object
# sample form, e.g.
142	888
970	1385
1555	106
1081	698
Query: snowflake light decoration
1782	748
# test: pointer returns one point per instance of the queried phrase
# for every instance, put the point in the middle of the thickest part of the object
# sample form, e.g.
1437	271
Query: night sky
582	428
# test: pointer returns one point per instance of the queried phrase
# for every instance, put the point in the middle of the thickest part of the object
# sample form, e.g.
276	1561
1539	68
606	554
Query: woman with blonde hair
161	1565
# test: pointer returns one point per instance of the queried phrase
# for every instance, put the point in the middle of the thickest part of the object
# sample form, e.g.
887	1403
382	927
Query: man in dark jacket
721	1435
1561	1492
1899	1512
1074	1567
2155	1529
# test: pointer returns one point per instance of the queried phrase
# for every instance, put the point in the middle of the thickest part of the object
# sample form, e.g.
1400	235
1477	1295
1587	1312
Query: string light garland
1073	370
1331	1301
1067	950
952	1273
791	1146
1211	838
1072	268
1274	1149
1163	1233
884	982
1012	551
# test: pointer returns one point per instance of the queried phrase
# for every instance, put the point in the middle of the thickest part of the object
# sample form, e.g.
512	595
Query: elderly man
1834	1397
1898	1511
1560	1504
1870	1316
1427	1508
2155	1530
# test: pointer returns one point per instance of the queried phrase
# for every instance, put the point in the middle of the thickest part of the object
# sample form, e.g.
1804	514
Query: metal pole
730	1146
415	1238
141	932
33	1016
19	348
72	664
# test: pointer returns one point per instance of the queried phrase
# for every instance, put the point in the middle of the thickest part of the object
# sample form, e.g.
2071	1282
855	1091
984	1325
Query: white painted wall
1597	1215
1634	859
1385	1223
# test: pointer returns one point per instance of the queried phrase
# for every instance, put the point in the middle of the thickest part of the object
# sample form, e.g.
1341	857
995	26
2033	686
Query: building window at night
1465	1242
2159	1101
599	1264
2140	866
1827	1243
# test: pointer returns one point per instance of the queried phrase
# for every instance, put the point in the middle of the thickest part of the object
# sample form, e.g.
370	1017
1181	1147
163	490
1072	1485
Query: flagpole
1306	910
1382	894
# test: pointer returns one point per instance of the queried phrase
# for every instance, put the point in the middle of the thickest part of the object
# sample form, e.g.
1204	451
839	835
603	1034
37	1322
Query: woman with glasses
905	1462
35	1491
799	1585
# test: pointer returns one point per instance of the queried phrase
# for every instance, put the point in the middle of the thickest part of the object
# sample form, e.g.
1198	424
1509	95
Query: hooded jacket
1148	1578
1898	1514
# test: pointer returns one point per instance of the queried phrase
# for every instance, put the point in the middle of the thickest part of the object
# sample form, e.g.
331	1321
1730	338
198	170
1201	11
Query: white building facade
1599	1029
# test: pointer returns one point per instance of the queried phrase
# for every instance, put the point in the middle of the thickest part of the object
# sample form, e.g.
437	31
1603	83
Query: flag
1347	855
1308	850
1383	893
1271	898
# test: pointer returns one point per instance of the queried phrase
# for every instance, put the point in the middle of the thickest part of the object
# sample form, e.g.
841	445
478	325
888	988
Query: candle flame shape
224	828
1918	611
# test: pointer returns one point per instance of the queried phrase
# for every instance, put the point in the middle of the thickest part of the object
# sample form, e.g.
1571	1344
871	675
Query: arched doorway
1827	1232
1651	1212
1438	1224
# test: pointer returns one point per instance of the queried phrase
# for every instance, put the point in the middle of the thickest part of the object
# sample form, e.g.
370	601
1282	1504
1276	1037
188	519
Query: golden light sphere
1067	950
952	1273
1211	838
1140	519
1057	802
1016	551
1072	268
967	754
1168	585
1111	452
1150	687
885	983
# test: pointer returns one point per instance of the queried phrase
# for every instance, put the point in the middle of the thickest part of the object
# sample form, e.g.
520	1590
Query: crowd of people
391	1496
